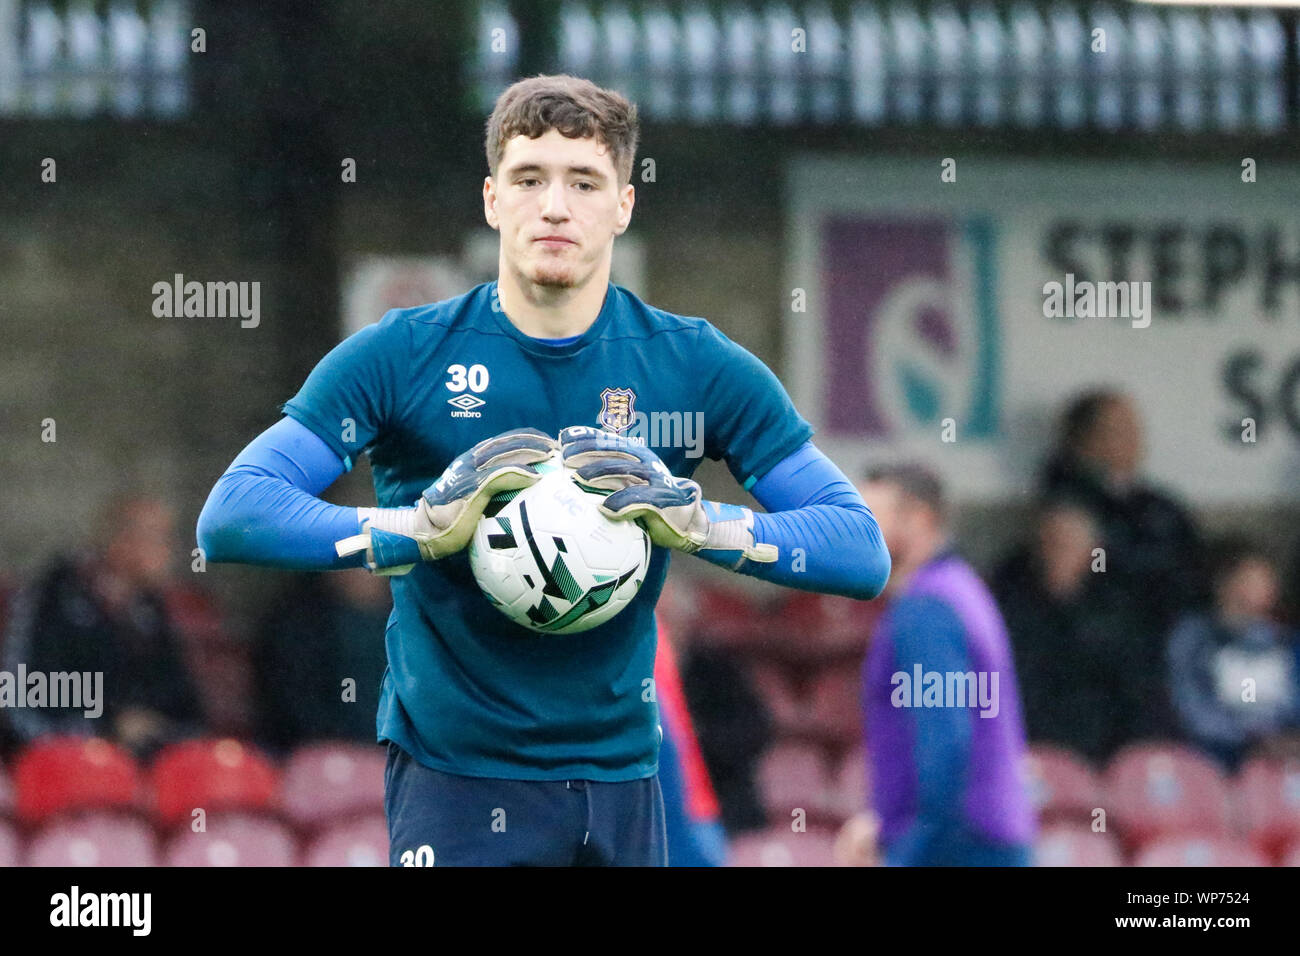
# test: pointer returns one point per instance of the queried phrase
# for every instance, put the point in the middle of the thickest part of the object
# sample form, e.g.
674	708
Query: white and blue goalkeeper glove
443	519
672	510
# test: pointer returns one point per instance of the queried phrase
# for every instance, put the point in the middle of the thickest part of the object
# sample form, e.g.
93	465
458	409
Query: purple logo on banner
910	328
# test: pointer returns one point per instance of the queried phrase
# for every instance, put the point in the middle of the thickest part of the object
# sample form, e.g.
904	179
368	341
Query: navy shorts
443	819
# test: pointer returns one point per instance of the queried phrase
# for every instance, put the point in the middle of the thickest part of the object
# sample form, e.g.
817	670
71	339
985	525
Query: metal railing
81	59
1058	66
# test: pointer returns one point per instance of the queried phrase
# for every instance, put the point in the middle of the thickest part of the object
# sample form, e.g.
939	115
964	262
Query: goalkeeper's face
558	206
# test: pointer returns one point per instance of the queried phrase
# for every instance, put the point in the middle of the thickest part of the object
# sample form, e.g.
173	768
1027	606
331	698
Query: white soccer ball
549	560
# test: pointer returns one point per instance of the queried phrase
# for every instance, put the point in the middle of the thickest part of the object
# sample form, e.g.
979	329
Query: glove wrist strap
731	527
396	520
730	542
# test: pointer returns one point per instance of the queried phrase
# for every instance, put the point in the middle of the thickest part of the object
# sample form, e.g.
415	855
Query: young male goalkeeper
507	746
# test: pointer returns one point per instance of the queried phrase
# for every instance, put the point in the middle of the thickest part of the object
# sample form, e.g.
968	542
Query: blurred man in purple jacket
944	732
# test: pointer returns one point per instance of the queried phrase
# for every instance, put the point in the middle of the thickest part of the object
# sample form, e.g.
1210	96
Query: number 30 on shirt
475	378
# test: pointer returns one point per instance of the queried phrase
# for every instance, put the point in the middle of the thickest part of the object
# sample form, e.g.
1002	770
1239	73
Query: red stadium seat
330	781
10	846
1061	784
96	839
60	774
792	776
1268	801
1159	790
1198	851
234	839
362	842
215	775
780	846
1075	844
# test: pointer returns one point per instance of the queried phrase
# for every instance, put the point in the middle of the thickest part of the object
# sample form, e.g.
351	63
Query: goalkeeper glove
443	519
672	510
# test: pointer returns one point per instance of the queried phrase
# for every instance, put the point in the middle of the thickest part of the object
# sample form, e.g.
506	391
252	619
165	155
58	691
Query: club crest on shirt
616	409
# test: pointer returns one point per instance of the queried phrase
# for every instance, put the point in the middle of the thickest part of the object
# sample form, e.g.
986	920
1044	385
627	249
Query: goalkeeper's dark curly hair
577	108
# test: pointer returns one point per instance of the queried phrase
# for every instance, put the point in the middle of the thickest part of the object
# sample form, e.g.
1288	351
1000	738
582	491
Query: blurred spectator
942	713
734	728
1233	670
1149	538
1082	638
105	612
691	812
217	657
320	658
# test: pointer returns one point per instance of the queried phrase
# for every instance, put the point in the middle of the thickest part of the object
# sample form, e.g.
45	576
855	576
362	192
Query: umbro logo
465	405
465	382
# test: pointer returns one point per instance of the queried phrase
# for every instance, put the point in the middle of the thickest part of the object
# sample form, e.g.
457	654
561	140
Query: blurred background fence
1020	65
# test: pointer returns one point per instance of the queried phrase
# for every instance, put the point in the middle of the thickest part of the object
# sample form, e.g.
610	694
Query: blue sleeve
927	631
351	397
828	539
264	509
749	420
